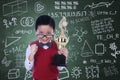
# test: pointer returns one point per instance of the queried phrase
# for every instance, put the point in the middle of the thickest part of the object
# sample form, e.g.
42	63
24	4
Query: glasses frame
45	35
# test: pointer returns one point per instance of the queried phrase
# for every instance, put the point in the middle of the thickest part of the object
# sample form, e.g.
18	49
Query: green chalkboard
93	29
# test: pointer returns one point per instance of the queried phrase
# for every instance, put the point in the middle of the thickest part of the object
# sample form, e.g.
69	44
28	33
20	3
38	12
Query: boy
40	53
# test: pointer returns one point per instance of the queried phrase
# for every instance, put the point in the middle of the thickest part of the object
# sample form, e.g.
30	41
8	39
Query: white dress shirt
29	64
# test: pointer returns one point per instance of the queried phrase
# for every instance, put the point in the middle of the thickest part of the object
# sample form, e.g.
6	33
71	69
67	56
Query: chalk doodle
78	35
18	7
110	71
19	59
86	50
93	13
64	74
39	7
114	48
14	50
63	5
5	23
68	14
100	4
96	61
92	72
102	61
27	21
105	37
84	62
73	56
23	31
99	49
76	72
5	61
109	61
106	12
28	75
11	40
8	23
102	25
13	73
82	19
14	20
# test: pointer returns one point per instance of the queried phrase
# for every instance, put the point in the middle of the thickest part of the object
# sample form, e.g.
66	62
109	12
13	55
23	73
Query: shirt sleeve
28	64
60	68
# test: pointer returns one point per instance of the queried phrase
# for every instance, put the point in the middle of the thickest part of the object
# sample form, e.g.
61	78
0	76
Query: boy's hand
33	49
63	51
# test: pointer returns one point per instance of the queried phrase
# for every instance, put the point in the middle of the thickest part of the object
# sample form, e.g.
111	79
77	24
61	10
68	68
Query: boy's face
44	33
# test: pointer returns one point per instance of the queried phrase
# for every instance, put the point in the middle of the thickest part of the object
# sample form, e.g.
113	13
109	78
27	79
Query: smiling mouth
44	41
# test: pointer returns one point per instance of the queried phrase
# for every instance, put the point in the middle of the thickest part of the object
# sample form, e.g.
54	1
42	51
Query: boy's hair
45	20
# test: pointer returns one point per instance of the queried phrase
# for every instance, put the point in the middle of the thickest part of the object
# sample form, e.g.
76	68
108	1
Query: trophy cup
61	39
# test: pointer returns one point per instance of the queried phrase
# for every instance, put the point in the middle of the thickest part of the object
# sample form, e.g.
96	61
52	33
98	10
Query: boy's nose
44	36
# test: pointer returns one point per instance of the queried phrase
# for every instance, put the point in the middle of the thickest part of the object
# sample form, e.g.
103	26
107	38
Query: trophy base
59	60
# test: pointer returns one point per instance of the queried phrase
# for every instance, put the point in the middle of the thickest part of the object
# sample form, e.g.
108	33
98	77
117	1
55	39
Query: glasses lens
42	35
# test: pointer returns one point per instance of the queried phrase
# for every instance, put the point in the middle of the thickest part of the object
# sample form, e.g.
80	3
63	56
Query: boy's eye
48	33
41	32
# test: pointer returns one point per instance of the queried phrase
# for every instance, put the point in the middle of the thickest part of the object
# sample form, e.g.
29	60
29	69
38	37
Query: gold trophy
61	39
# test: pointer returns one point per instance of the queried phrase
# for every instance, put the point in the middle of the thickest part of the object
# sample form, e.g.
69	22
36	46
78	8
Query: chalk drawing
92	13
8	23
19	60
14	21
110	71
27	21
73	56
86	50
100	4
5	61
64	72
114	48
13	73
102	25
99	49
65	5
82	19
39	7
92	72
14	50
84	62
105	37
5	23
28	75
76	72
106	12
23	31
18	7
102	61
57	14
79	36
11	40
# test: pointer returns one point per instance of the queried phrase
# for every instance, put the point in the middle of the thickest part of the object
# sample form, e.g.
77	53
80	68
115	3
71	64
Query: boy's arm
28	63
